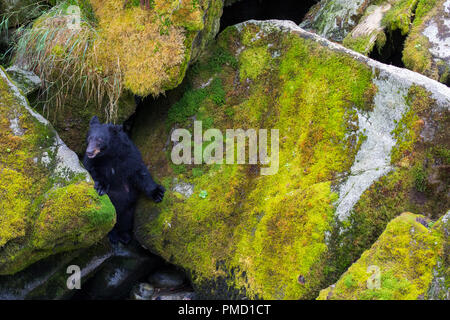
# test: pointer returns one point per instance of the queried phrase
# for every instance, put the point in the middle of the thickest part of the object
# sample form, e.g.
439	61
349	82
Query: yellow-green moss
41	213
361	44
405	254
259	233
153	54
70	214
15	204
416	54
253	61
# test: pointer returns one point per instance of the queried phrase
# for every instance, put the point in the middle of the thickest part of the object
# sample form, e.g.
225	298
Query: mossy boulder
48	203
334	19
424	24
114	53
345	123
427	48
400	265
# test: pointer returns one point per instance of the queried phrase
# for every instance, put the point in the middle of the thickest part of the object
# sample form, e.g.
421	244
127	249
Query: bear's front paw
101	189
157	194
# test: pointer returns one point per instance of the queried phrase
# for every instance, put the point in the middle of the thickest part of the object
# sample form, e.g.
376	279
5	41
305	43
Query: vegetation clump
403	258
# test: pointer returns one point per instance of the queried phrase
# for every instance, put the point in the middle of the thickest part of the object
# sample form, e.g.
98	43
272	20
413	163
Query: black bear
117	168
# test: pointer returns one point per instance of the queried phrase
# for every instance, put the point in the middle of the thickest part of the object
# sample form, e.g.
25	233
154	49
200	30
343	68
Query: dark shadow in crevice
392	51
244	10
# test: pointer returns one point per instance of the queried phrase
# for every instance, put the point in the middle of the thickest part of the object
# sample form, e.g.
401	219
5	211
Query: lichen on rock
423	23
274	237
334	18
398	266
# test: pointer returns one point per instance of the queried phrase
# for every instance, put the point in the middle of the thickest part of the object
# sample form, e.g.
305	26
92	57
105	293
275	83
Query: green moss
15	204
192	100
70	214
415	185
399	17
362	44
416	54
41	213
405	254
258	234
253	62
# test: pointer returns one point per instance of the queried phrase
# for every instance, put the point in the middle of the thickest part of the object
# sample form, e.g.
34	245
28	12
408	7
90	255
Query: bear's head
99	138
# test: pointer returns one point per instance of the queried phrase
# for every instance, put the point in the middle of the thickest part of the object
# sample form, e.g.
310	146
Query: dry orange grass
138	42
141	50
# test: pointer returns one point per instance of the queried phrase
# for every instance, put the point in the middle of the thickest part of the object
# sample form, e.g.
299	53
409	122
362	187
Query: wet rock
167	295
183	188
333	19
47	279
117	276
167	278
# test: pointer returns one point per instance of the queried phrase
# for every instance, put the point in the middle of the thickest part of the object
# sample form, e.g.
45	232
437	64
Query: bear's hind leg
124	224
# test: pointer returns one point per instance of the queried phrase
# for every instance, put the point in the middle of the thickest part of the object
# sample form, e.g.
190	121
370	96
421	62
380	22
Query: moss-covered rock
398	266
47	200
427	48
344	122
114	53
424	24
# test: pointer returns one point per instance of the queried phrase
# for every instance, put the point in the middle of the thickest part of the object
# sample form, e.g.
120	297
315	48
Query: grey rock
27	81
117	276
167	279
142	291
183	295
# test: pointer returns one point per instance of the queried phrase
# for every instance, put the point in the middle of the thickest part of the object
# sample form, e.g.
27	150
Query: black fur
119	172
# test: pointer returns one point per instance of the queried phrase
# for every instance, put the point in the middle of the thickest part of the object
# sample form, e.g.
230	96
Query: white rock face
27	81
373	159
67	162
438	33
372	22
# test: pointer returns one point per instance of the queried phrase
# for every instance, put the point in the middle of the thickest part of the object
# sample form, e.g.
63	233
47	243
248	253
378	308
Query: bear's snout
91	151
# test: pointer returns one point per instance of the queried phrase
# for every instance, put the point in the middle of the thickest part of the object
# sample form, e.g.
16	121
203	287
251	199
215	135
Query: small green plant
420	178
197	172
166	23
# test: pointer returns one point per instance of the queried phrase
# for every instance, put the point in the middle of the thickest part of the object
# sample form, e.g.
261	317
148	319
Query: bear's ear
94	120
116	128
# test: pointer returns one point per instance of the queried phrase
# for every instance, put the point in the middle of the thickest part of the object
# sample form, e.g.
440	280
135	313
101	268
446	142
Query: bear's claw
158	193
